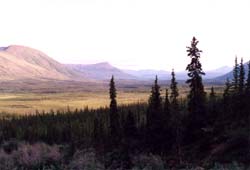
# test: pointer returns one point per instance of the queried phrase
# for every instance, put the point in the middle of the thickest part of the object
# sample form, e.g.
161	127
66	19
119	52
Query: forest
201	131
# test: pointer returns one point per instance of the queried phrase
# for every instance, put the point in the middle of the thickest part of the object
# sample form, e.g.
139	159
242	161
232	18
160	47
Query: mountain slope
181	75
100	71
19	62
229	75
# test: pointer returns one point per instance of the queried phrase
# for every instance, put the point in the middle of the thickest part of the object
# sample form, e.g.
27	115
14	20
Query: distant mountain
24	63
100	71
182	75
149	74
217	72
19	63
229	74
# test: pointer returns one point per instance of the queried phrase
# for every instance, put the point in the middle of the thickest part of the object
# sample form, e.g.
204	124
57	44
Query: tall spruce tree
155	102
196	96
154	119
174	93
114	125
175	116
248	81
241	77
235	81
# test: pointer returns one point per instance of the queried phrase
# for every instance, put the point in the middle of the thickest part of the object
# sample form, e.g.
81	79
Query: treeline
202	127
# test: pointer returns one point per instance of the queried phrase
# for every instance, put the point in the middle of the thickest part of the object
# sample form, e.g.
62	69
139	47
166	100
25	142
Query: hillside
229	75
20	63
100	71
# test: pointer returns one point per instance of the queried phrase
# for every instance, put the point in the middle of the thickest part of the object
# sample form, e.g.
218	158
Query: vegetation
207	130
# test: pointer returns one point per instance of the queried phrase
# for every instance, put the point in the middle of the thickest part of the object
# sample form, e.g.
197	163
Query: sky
131	34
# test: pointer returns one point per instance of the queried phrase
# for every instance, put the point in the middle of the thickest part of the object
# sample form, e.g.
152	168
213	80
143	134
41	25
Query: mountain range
24	63
19	63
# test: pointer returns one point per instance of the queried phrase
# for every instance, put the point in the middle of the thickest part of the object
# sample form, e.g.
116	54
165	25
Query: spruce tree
174	93
154	119
235	81
155	101
176	116
248	81
196	96
167	127
241	77
114	125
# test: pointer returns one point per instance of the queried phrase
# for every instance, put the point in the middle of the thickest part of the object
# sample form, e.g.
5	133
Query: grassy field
28	103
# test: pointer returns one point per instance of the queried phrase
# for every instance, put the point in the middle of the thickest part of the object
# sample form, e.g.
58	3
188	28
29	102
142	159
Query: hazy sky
135	34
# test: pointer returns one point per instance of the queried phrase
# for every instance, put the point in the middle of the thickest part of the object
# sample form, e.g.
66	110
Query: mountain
217	72
229	74
181	75
149	74
100	71
24	63
20	63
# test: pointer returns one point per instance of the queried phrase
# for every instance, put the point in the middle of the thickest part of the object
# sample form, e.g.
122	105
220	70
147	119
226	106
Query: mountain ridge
20	62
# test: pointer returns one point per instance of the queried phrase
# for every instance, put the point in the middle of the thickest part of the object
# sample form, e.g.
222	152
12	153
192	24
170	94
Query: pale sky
135	34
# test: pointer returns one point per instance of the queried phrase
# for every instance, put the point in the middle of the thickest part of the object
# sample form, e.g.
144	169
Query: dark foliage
196	96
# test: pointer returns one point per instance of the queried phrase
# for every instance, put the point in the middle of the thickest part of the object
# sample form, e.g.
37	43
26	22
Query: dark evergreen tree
241	77
114	126
154	119
196	96
235	81
174	94
155	103
247	90
167	131
176	118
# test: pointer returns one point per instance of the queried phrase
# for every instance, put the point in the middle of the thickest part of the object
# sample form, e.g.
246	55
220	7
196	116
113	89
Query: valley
78	97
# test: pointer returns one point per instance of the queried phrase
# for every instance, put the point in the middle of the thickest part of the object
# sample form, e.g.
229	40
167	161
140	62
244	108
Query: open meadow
29	102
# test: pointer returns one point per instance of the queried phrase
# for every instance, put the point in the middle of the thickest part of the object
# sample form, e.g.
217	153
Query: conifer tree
176	116
235	81
196	96
154	119
114	125
241	77
167	126
155	101
248	81
174	93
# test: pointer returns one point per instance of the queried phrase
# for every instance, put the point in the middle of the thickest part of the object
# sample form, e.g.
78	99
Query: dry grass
28	103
